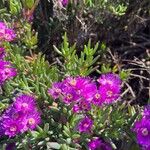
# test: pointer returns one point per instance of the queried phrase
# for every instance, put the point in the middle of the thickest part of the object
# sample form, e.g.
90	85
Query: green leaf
35	134
53	145
46	127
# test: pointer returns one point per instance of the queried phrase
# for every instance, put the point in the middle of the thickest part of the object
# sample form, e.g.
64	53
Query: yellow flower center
69	96
86	125
109	82
58	90
73	82
97	96
145	132
13	128
109	93
31	121
25	105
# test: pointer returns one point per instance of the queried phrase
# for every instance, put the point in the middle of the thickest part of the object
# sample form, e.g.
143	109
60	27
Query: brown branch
135	45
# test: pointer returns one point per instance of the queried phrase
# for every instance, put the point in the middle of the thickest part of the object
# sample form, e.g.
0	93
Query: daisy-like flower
110	79
142	130
2	53
56	90
9	35
78	83
14	114
20	116
85	125
109	94
6	34
81	92
69	95
97	99
97	144
12	127
71	81
6	71
84	105
110	87
25	103
33	120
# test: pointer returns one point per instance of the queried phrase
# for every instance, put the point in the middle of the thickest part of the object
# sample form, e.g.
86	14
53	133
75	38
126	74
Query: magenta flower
81	92
9	35
84	105
2	30
69	94
110	88
2	25
89	90
56	90
78	83
109	94
2	53
97	144
25	103
11	127
85	125
76	108
6	71
14	114
147	112
142	129
110	79
20	116
97	99
6	34
4	64
33	120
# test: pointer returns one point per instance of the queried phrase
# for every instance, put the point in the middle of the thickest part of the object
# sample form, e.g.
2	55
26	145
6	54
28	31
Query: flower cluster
82	92
20	116
142	129
98	144
6	34
6	71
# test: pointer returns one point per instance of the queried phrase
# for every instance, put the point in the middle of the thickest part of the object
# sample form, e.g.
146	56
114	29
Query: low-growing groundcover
50	106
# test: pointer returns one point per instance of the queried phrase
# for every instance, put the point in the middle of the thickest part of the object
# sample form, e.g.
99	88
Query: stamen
31	121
